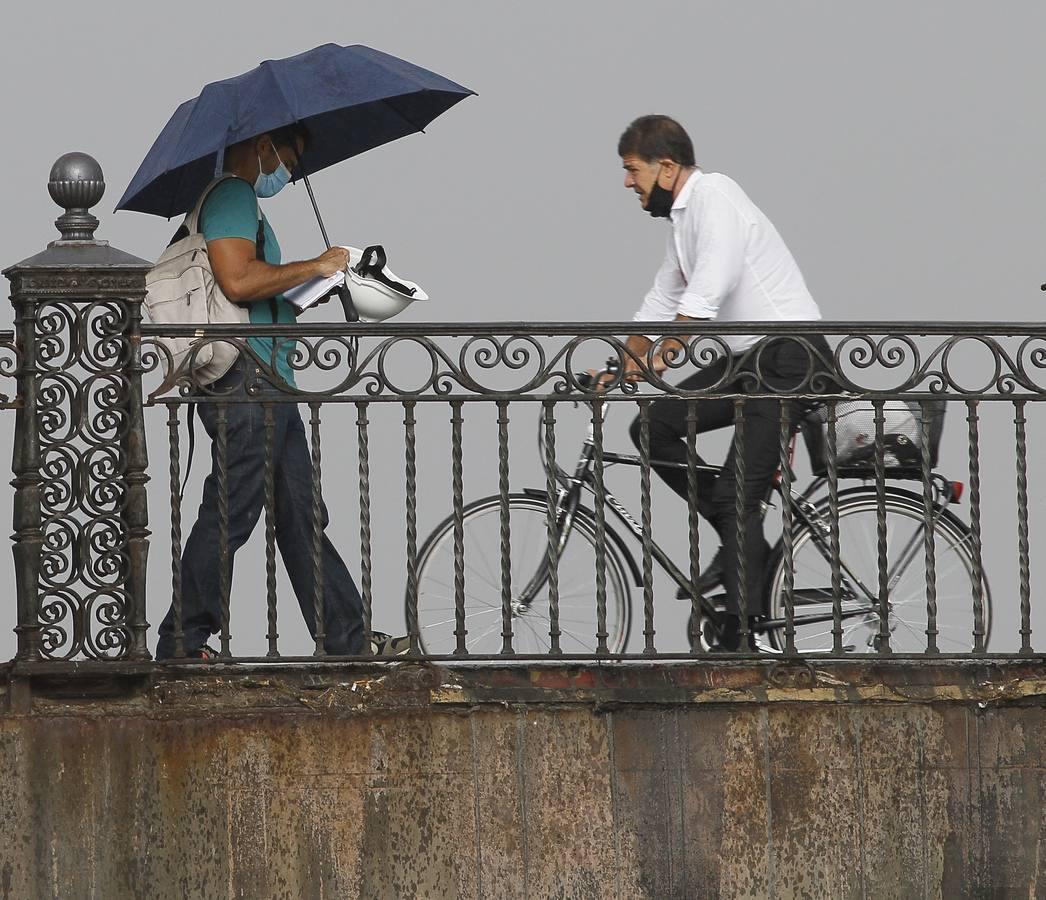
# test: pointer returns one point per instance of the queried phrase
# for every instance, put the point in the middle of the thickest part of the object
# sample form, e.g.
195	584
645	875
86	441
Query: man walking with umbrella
299	114
246	262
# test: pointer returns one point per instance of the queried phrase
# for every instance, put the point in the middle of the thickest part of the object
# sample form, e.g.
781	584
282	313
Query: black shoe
729	639
709	579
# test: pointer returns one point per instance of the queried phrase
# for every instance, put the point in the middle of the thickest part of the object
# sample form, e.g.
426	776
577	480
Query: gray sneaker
382	644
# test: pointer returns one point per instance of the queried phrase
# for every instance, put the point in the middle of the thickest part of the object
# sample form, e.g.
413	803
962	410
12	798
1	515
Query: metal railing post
81	514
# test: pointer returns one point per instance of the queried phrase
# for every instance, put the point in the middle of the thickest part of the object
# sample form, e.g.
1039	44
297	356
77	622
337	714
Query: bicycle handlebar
586	380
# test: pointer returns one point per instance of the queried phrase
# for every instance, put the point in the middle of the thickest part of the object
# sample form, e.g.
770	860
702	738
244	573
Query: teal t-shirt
231	211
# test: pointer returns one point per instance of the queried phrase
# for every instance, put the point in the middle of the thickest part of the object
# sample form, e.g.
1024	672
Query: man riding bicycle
725	261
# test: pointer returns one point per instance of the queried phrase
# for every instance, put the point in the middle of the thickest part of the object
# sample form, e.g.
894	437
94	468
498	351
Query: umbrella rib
388	102
291	107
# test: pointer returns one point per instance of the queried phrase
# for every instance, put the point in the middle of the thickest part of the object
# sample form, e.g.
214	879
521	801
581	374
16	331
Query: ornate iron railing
479	543
461	369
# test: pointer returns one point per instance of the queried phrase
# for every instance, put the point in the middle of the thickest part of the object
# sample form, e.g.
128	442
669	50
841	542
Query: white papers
305	295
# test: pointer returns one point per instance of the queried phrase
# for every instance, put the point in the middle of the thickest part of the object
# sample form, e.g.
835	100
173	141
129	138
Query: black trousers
783	363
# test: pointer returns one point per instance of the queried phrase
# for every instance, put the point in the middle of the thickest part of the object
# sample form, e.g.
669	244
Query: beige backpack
182	290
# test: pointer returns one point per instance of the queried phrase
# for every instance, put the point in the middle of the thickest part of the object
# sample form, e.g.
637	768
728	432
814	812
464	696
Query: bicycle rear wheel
907	611
531	623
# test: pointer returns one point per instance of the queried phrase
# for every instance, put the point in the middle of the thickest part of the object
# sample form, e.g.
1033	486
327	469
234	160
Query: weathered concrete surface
689	781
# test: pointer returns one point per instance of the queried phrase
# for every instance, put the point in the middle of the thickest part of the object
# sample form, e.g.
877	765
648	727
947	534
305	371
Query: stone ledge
81	688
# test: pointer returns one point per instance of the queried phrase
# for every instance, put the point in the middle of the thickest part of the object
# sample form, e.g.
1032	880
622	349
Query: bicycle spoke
492	577
472	615
468	595
481	635
523	555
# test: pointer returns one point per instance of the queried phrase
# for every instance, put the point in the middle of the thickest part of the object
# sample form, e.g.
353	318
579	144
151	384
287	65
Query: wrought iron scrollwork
83	357
544	358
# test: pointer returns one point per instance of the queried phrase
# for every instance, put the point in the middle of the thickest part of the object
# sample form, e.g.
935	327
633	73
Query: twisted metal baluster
411	457
646	526
692	515
787	537
135	479
739	512
975	525
317	532
366	557
880	523
833	525
460	631
552	558
601	526
270	531
506	543
929	546
1022	525
225	575
176	528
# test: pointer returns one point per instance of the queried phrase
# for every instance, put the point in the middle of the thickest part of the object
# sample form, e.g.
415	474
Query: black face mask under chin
659	201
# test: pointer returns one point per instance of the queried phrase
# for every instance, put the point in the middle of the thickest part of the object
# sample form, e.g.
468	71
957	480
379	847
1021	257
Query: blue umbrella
350	98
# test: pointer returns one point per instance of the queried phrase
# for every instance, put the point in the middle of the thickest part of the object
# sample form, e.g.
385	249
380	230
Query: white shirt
725	261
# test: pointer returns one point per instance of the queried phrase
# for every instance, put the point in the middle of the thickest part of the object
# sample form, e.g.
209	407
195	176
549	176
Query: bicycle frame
804	512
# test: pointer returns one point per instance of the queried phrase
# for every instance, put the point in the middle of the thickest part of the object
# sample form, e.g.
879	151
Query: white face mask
269	184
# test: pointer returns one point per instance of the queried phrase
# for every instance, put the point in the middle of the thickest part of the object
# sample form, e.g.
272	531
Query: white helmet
377	293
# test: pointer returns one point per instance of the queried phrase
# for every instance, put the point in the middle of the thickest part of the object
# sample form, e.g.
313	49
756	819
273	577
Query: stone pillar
80	512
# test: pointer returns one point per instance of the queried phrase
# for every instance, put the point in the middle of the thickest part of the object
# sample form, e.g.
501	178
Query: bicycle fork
564	511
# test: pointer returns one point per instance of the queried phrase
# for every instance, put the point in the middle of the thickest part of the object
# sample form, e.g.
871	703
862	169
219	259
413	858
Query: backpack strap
191	222
259	253
192	218
190	421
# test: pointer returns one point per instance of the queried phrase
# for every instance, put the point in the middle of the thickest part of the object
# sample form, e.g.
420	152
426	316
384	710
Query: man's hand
670	350
600	385
334	260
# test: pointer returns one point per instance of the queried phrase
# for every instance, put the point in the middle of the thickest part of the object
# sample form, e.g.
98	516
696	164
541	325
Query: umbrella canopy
350	98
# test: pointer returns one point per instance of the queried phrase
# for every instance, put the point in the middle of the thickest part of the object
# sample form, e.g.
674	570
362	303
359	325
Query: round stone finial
76	184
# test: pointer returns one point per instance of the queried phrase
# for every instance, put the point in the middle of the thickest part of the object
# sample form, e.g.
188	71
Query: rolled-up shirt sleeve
721	237
661	302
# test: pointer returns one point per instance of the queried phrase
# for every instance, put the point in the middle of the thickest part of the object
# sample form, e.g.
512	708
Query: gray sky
897	146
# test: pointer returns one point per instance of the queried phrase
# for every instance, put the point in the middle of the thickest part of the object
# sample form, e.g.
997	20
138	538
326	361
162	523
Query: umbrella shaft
316	209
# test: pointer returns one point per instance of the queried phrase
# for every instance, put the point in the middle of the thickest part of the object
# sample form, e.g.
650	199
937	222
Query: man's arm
638	346
244	278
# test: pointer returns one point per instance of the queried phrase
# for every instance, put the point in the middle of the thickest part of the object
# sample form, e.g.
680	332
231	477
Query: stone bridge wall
691	781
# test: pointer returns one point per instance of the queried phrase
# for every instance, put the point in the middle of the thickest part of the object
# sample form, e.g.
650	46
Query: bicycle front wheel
907	618
530	619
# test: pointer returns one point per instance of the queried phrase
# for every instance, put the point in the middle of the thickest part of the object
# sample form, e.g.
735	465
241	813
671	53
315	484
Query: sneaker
382	644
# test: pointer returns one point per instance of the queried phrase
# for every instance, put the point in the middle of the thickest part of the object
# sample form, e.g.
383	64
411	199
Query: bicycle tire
528	546
907	619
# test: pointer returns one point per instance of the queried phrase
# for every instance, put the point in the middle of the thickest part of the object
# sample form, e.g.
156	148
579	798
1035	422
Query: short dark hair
289	135
657	137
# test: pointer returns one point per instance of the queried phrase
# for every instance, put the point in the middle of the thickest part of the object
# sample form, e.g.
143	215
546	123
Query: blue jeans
245	462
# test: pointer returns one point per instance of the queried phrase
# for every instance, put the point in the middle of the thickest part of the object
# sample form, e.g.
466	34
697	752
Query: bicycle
815	608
